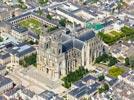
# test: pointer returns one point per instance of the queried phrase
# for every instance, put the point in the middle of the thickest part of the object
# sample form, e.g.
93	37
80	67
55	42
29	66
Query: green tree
127	61
1	39
20	1
62	22
101	77
112	61
49	16
42	2
131	61
74	76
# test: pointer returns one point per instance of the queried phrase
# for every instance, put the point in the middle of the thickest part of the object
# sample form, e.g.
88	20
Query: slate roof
87	36
20	29
4	81
17	17
84	88
13	91
72	43
48	95
2	67
21	50
4	56
28	93
33	35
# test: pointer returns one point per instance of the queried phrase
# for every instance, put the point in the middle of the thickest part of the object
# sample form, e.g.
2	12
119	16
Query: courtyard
33	24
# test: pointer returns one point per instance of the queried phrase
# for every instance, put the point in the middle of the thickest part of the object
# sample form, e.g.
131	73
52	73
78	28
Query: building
4	28
48	95
5	84
12	53
2	70
122	91
20	33
60	53
78	14
13	93
20	51
26	94
4	57
128	78
84	88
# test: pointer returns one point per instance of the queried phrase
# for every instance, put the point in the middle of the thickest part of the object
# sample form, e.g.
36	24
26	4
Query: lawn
33	24
126	33
116	71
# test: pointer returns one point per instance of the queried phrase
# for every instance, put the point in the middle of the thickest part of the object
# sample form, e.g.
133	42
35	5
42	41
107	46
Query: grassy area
116	71
126	33
111	37
74	76
33	24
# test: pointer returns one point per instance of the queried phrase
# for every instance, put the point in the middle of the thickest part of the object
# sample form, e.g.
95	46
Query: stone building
61	52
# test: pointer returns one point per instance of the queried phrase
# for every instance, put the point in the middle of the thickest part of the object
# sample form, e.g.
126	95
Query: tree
131	61
101	77
112	61
40	11
30	60
62	22
104	88
49	16
74	76
20	1
42	2
1	39
127	61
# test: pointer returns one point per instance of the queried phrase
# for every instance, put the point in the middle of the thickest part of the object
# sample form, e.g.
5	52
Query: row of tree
74	76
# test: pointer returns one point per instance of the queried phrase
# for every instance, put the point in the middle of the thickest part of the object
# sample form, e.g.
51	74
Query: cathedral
63	51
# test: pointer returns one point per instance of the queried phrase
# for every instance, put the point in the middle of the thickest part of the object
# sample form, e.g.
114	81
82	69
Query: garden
106	59
33	24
